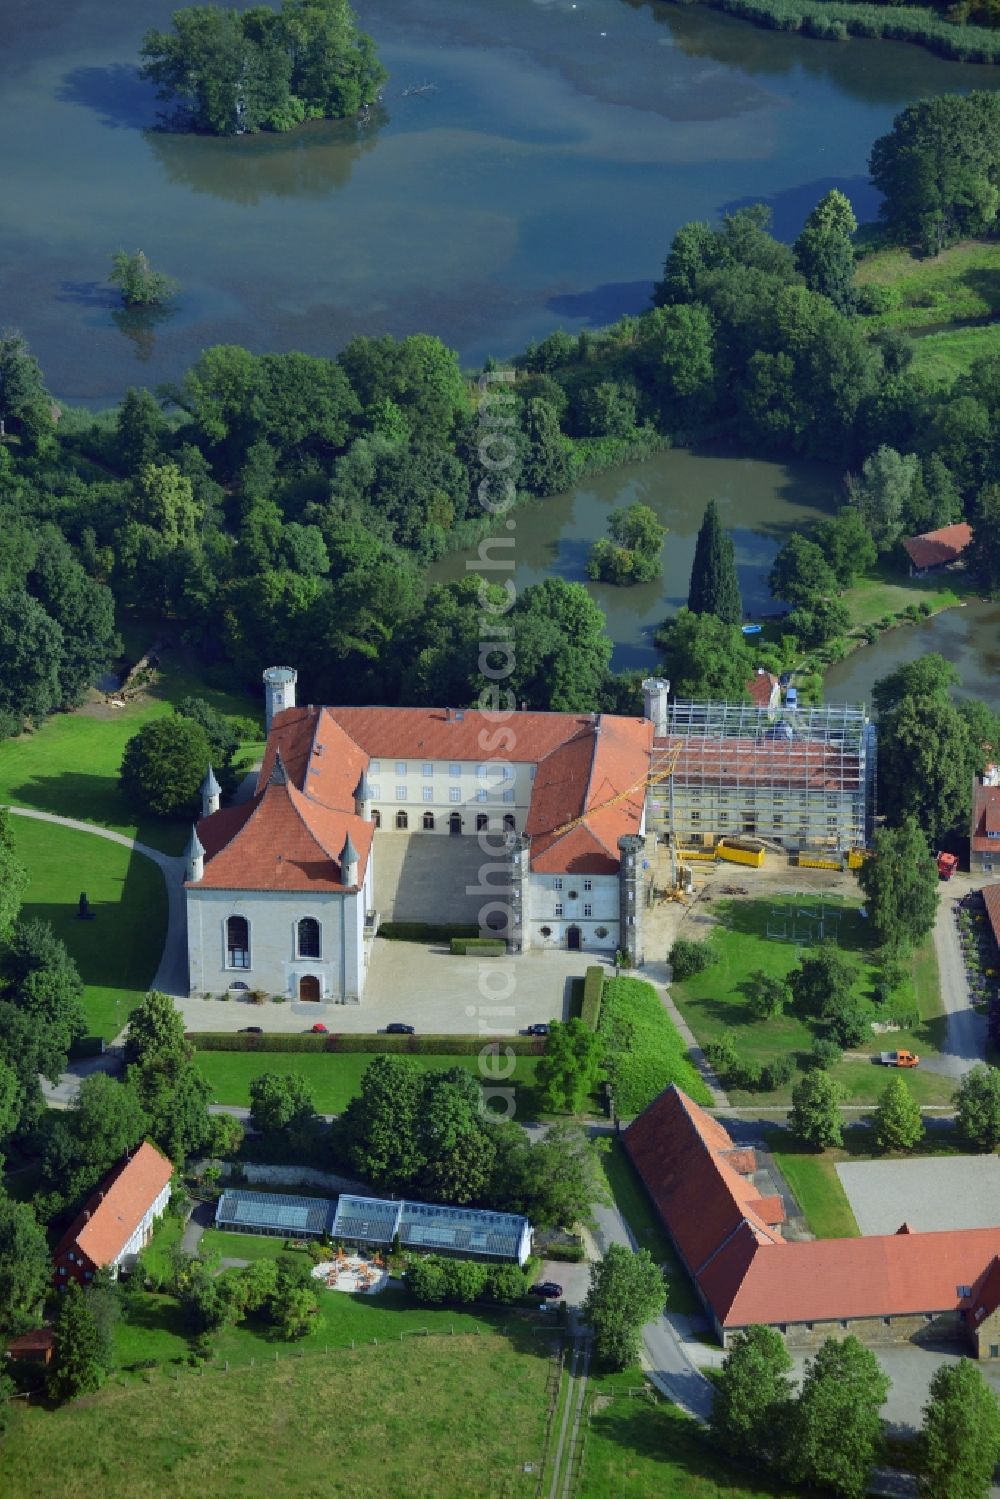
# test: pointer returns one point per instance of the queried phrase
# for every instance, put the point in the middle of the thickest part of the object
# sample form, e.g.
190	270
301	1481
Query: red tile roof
804	764
935	548
761	687
281	840
290	837
991	900
985	817
112	1215
744	1268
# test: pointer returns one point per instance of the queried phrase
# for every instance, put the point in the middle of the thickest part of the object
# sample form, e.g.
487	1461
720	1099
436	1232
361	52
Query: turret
194	856
211	791
655	691
363	797
279	691
348	863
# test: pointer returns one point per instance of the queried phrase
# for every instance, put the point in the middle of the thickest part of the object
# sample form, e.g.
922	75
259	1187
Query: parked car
319	1029
537	1030
397	1028
896	1059
548	1290
251	1030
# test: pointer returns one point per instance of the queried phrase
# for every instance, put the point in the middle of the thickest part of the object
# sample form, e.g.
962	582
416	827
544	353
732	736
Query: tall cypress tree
714	585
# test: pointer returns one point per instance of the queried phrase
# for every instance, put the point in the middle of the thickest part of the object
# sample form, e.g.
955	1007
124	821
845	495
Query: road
964	1040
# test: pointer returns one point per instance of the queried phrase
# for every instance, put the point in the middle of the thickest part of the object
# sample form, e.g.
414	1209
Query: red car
319	1029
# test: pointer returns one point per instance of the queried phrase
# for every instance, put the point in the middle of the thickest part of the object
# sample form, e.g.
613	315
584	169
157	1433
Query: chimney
655	691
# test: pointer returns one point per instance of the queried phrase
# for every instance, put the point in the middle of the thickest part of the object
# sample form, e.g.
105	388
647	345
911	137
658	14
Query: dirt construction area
937	1192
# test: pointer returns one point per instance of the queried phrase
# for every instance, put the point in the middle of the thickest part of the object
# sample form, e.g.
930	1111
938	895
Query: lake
537	183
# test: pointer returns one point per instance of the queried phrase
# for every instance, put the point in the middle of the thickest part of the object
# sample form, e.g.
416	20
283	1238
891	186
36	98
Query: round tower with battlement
279	692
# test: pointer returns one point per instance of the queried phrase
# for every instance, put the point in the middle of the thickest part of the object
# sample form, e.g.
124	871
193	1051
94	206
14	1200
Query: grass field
959	284
889	591
70	765
639	1450
640	1215
352	1424
942	357
714	1001
335	1078
813	1179
118	952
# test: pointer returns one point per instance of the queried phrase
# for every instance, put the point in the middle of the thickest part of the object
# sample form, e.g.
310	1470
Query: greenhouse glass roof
425	1225
272	1212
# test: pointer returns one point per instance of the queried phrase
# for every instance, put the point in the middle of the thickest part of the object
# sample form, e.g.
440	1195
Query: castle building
547	812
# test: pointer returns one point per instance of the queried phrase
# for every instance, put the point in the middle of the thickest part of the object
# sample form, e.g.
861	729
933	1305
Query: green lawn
70	765
640	1450
890	591
642	1218
335	1077
351	1424
813	1179
713	1001
942	357
118	952
644	1051
960	283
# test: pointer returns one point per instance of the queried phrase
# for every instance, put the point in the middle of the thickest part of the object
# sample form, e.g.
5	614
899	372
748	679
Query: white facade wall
273	918
126	1258
444	787
594	910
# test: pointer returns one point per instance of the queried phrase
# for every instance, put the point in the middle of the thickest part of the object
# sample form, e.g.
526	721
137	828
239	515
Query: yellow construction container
856	858
705	855
810	861
740	852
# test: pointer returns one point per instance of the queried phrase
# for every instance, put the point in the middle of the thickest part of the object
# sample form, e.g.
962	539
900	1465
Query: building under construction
802	778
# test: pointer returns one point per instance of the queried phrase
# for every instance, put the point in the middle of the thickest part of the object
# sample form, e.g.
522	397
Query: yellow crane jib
662	771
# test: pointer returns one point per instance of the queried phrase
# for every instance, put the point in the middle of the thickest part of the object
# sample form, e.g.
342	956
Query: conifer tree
714	587
898	1122
77	1362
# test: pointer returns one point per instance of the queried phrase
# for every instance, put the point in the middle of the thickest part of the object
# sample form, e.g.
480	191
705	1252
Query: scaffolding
802	778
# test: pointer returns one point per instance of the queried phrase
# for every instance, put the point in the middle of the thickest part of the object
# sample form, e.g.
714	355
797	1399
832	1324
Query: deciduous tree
25	1265
815	1113
164	765
13	877
752	1394
977	1103
897	1121
960	1438
801	573
569	1071
900	884
626	1291
836	1428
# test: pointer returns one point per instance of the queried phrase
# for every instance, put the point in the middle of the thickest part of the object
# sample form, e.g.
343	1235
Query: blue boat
751	629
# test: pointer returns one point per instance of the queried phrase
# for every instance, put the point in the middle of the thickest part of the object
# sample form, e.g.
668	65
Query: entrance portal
573	938
455	822
309	988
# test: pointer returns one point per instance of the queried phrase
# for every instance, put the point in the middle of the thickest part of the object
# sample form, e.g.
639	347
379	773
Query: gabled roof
985	817
456	734
748	1273
586	778
761	688
280	840
935	548
788	762
112	1215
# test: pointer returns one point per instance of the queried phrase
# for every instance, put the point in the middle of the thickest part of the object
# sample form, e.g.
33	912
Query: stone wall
929	1328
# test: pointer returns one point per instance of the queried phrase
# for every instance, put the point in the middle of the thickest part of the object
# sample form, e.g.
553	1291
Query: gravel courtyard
936	1192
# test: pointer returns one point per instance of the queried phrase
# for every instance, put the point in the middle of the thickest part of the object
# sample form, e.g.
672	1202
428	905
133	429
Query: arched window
428	822
509	825
377	817
308	936
482	822
238	942
402	821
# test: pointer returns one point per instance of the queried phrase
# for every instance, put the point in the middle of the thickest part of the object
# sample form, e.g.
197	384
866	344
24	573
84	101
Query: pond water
537	184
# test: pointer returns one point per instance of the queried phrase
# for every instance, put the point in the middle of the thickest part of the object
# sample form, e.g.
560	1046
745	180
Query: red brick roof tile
280	840
934	548
991	900
111	1216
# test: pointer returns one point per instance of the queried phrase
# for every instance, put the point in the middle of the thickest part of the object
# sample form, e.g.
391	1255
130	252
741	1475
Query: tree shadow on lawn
96	798
663	1436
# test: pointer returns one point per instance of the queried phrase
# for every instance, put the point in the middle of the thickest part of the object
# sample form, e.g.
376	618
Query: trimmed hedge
837	20
436	1046
483	947
593	992
643	1052
422	931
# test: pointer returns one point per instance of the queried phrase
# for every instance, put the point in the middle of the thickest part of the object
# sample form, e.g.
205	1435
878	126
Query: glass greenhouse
273	1213
424	1225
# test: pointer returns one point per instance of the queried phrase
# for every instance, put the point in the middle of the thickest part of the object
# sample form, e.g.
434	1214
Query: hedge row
593	990
643	1050
437	1046
422	931
483	947
837	20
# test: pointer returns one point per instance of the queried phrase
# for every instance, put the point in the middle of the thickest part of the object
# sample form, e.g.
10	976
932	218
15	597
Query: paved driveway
937	1192
964	1041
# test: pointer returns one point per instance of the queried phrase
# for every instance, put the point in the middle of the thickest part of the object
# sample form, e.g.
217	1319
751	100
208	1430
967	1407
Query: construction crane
662	772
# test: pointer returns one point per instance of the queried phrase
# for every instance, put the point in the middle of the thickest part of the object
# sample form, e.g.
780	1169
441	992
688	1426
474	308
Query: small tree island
631	554
229	73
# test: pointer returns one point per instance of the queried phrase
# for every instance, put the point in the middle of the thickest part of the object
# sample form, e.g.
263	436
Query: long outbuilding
433	1226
